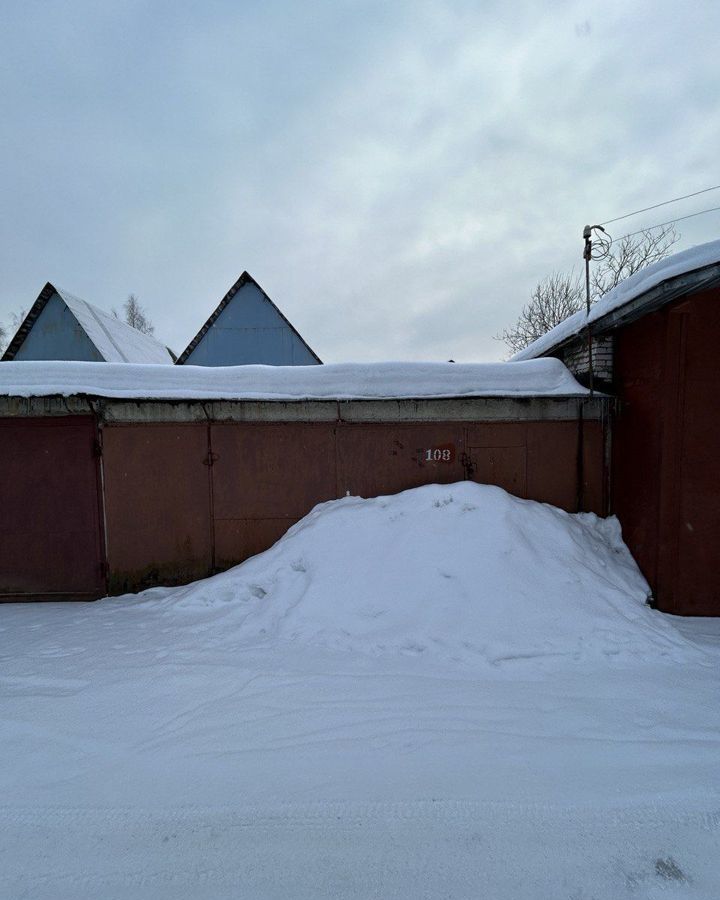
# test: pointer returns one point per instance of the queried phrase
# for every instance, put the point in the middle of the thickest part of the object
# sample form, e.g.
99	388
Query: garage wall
185	500
666	444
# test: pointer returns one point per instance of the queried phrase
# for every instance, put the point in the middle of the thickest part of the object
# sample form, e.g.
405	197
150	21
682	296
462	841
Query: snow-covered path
362	850
302	773
259	734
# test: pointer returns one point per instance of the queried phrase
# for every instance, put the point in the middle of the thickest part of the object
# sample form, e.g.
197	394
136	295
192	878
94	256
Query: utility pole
587	256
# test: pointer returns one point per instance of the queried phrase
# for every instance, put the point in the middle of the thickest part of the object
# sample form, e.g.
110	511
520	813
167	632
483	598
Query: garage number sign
442	453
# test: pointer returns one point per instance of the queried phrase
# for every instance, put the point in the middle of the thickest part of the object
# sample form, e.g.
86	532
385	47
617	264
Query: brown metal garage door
157	504
265	477
50	532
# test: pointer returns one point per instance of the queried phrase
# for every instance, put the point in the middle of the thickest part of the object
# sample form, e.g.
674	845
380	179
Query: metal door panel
50	531
552	463
387	458
498	434
689	575
157	490
502	466
239	539
272	471
265	478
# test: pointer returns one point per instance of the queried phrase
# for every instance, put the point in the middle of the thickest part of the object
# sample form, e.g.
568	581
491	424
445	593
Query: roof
344	381
682	273
115	341
245	278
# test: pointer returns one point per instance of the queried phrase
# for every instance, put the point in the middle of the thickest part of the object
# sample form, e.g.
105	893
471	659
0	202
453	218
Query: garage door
50	534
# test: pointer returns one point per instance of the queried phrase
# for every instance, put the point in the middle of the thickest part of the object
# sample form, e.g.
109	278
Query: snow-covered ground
446	693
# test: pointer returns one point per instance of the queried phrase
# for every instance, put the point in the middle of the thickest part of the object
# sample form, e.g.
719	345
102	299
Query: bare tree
6	332
135	315
554	299
558	296
17	318
629	255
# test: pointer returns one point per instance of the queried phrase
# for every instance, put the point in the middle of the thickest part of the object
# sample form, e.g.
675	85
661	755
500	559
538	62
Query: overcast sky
396	175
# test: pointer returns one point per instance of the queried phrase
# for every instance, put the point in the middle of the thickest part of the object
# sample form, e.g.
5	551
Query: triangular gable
243	280
28	322
114	340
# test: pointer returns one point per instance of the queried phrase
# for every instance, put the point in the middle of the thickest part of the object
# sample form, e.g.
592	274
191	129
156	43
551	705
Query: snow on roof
116	341
640	283
343	381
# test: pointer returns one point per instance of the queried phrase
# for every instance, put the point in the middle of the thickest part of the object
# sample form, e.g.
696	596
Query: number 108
437	455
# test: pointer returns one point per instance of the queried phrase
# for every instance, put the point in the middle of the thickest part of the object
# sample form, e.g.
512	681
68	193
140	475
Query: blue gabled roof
114	340
243	280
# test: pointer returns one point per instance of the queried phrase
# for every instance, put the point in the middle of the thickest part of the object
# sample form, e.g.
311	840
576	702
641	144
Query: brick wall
575	358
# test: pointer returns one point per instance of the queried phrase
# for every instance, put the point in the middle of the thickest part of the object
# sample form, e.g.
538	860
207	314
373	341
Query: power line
671	222
657	205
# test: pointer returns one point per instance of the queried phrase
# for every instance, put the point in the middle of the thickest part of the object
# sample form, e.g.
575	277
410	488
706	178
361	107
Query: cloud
397	176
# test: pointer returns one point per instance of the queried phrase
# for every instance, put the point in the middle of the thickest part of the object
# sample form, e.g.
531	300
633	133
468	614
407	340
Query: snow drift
465	572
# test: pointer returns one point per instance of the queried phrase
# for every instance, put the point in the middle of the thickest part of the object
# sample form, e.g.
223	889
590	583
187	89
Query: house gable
247	328
50	331
60	326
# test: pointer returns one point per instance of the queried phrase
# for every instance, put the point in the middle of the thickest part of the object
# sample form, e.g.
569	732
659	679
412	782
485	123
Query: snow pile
464	573
342	381
639	283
